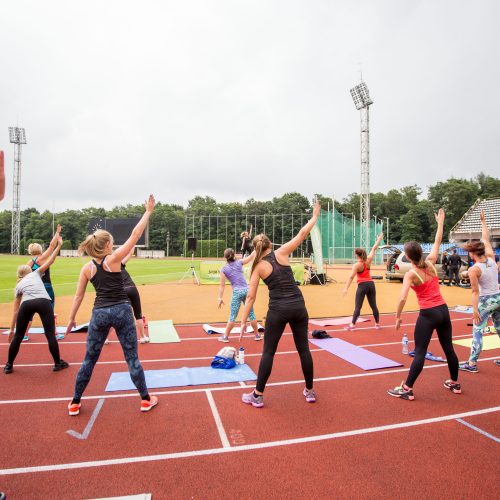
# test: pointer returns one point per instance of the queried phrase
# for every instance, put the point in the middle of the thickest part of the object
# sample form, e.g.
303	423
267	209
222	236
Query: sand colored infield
188	303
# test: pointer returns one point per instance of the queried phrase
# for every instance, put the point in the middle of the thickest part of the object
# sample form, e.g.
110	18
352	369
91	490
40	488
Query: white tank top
488	281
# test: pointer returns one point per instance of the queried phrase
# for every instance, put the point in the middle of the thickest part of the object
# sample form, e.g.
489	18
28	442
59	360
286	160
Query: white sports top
488	281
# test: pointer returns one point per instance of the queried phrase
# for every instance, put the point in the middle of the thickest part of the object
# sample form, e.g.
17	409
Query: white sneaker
142	340
223	339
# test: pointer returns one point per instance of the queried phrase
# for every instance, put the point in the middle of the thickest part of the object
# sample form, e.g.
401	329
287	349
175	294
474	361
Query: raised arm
250	232
52	256
248	259
127	258
432	257
289	247
485	236
121	252
370	256
52	245
77	300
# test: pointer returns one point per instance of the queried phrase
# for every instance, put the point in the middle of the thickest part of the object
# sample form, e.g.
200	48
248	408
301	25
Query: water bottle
241	357
404	343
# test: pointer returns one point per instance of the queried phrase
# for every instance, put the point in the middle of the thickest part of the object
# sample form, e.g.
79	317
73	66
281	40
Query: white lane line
212	337
90	424
246	447
229	388
243	384
218	421
161	360
477	429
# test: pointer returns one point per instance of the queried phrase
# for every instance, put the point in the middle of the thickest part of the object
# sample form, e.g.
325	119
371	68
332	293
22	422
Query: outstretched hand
316	209
59	229
483	216
381	236
70	327
439	216
150	204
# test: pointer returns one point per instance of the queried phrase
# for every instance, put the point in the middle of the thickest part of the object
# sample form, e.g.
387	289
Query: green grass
65	271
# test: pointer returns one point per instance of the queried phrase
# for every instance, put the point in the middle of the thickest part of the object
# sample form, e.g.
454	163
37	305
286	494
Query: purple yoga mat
353	354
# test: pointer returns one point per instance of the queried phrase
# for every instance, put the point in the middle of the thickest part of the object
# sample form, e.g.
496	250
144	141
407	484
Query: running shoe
453	386
350	327
310	395
497	362
467	367
258	336
60	366
25	338
60	336
8	368
74	408
146	338
149	405
401	392
142	340
223	339
252	399
378	327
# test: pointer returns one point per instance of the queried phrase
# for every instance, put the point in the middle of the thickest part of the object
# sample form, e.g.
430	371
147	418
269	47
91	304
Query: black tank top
45	275
108	286
281	283
127	280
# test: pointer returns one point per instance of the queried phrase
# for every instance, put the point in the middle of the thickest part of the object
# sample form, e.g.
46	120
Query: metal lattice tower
362	101
18	138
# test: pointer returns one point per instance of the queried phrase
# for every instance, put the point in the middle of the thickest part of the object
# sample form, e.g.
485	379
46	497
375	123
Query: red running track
202	441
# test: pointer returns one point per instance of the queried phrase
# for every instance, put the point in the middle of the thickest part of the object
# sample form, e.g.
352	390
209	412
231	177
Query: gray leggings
119	317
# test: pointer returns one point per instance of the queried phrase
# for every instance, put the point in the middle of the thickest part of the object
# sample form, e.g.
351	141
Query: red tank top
428	293
364	275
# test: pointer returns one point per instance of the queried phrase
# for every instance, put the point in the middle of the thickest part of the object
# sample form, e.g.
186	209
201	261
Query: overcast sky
243	99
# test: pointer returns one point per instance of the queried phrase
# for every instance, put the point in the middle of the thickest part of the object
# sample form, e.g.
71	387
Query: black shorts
135	301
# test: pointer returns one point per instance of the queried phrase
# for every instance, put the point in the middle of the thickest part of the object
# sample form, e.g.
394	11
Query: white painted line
218	421
243	384
477	429
90	424
229	388
245	447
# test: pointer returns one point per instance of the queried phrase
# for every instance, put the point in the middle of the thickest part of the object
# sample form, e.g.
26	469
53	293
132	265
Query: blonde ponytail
96	244
260	243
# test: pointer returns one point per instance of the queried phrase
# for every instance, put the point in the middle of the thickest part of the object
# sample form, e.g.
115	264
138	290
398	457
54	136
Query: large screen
119	228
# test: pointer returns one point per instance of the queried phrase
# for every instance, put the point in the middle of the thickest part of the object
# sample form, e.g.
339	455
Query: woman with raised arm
32	298
434	314
246	237
366	286
38	258
483	277
111	308
286	305
233	272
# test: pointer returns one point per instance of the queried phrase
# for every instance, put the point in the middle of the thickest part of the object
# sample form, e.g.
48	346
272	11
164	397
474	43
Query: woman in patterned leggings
111	309
233	271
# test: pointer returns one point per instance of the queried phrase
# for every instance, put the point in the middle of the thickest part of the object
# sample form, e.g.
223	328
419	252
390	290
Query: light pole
387	224
168	241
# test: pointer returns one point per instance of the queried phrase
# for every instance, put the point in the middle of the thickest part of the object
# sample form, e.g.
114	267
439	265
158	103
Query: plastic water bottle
404	343
241	357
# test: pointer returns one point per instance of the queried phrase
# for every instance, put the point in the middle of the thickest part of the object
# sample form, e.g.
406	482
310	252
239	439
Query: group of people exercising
117	304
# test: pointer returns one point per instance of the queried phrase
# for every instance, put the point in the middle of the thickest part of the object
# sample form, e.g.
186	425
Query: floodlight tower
18	138
362	101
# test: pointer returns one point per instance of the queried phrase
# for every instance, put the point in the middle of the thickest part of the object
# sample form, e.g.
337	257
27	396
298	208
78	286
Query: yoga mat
346	320
180	377
353	354
213	329
489	342
162	332
61	329
463	309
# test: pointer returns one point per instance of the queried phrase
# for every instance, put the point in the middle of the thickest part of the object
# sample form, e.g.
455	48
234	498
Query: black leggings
435	318
28	309
276	321
135	301
365	289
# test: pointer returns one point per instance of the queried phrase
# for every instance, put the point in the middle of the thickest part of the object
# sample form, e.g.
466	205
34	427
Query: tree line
410	214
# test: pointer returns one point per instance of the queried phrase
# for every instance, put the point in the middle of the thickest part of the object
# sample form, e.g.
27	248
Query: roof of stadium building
469	226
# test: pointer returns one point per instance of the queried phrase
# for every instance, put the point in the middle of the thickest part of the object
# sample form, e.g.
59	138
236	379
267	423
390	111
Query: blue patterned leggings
488	306
239	296
119	317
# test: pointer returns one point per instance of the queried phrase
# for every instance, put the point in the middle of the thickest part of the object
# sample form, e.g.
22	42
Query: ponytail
95	244
229	254
261	243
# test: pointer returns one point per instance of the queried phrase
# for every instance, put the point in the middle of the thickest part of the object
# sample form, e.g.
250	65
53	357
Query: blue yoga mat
181	377
358	356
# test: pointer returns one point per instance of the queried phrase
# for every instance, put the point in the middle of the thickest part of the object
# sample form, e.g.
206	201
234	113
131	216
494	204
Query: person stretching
483	277
286	305
366	286
38	258
32	298
246	247
111	309
233	271
434	315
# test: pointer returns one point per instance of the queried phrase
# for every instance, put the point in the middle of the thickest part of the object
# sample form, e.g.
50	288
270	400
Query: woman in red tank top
434	314
366	287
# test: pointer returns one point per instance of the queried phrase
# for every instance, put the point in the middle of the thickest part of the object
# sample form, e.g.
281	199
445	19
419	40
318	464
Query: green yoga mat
489	342
162	332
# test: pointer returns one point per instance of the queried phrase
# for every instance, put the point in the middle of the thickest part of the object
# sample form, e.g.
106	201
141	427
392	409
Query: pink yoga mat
335	321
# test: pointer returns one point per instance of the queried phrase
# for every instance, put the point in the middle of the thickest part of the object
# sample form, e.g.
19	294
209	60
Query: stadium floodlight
361	96
17	135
